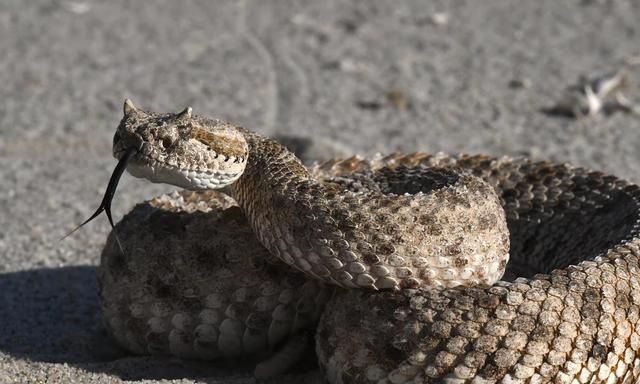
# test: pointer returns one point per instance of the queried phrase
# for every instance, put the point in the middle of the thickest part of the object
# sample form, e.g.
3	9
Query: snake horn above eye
185	114
129	108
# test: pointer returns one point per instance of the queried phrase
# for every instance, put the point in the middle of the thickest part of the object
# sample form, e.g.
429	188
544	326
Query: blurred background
543	79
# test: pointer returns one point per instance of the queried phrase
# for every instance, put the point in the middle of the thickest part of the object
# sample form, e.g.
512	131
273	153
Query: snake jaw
157	171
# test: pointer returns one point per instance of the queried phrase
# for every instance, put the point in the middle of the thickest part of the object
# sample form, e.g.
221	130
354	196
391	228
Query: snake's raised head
181	149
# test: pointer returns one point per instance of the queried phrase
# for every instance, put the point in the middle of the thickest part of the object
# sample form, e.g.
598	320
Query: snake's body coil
196	282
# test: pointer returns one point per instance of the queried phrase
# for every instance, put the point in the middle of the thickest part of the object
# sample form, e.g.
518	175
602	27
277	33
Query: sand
363	77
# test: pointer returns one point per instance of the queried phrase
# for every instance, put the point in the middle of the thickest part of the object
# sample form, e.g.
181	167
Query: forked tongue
105	205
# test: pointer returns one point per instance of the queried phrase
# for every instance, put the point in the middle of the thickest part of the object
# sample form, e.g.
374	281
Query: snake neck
270	174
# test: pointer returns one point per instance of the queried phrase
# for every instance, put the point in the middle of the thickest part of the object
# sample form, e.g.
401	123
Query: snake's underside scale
395	262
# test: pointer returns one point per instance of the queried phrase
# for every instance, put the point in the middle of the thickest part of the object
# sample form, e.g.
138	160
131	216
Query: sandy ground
470	76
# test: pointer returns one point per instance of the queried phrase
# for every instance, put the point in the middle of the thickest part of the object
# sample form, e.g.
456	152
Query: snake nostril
166	142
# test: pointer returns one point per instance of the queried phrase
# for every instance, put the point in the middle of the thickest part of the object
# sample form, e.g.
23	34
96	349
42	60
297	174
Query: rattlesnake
397	258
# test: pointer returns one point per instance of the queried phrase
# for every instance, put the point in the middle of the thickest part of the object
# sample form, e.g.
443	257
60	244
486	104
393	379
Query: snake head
181	149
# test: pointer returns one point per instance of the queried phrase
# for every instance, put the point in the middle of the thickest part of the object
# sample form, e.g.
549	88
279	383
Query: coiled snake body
396	259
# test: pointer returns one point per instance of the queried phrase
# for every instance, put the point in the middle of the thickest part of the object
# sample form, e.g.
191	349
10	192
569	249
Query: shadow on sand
53	315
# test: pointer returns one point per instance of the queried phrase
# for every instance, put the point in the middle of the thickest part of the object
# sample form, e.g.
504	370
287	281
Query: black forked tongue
105	205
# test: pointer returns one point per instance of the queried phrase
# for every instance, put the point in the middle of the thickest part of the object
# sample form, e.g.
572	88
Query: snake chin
195	180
